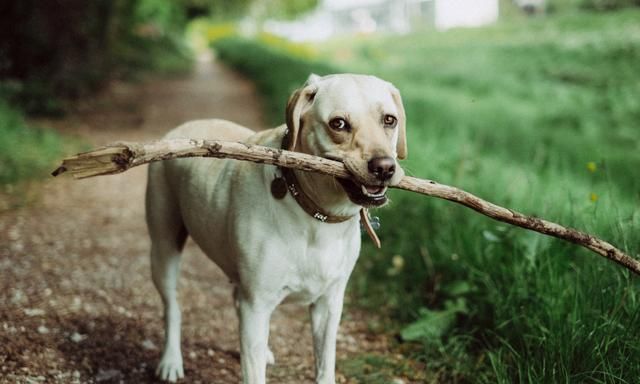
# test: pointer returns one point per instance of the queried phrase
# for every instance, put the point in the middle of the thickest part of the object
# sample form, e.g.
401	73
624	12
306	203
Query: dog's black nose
382	167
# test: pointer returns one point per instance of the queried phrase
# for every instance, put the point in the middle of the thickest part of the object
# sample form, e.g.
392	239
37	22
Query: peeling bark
119	157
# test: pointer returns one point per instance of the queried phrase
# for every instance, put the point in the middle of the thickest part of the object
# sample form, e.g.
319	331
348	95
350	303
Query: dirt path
76	300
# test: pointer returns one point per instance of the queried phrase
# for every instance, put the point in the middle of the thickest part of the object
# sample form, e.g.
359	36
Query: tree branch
119	157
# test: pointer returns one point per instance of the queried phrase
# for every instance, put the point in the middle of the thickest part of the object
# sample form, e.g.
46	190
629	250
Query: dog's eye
389	121
339	124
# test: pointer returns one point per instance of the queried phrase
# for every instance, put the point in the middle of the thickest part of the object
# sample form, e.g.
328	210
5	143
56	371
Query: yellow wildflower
397	261
592	166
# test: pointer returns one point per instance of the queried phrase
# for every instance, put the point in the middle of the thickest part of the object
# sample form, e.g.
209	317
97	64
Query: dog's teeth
379	193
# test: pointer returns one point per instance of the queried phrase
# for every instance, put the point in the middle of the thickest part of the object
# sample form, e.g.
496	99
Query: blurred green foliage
559	6
51	52
226	10
540	116
287	9
210	32
608	5
25	152
217	9
276	67
54	52
66	49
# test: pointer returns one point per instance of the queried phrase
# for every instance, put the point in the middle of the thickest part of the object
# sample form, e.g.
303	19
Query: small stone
13	233
77	303
193	355
109	374
148	345
76	337
34	312
397	381
18	297
210	352
43	330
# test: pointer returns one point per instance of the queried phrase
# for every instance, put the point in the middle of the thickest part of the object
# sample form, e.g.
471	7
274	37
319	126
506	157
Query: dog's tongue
373	189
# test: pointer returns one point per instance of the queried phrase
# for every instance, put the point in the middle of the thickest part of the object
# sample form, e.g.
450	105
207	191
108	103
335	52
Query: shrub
25	152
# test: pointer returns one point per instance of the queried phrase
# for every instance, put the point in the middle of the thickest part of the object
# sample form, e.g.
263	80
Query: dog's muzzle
369	188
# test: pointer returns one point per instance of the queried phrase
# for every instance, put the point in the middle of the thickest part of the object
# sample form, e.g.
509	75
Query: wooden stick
119	157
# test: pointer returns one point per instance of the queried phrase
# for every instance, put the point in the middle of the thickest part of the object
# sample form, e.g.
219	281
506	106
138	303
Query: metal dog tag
375	222
366	224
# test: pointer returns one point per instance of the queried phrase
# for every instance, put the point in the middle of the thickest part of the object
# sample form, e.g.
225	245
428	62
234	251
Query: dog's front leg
325	319
254	337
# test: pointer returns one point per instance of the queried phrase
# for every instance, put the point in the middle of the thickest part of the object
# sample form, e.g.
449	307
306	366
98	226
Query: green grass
276	73
25	152
541	117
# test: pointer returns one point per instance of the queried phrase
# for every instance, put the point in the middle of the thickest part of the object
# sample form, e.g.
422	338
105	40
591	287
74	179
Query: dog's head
356	119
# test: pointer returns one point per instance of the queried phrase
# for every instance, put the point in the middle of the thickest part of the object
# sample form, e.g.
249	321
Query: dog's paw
170	368
271	360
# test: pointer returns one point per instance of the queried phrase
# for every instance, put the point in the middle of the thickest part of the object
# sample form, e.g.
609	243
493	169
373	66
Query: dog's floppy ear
401	147
312	79
300	99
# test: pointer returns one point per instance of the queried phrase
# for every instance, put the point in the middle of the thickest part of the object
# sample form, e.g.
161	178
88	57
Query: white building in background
465	13
336	17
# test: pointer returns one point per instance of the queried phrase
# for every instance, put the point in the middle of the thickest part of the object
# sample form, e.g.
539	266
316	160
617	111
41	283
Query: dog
276	233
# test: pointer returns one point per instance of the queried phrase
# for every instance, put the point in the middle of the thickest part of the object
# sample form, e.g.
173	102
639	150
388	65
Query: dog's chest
318	264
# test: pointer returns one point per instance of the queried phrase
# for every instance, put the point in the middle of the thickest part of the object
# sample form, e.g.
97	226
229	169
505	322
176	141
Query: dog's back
179	192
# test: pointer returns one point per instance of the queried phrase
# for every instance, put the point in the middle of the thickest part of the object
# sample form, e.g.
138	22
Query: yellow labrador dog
278	234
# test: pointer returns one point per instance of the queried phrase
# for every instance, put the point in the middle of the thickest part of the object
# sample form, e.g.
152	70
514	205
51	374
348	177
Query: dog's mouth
364	195
360	193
